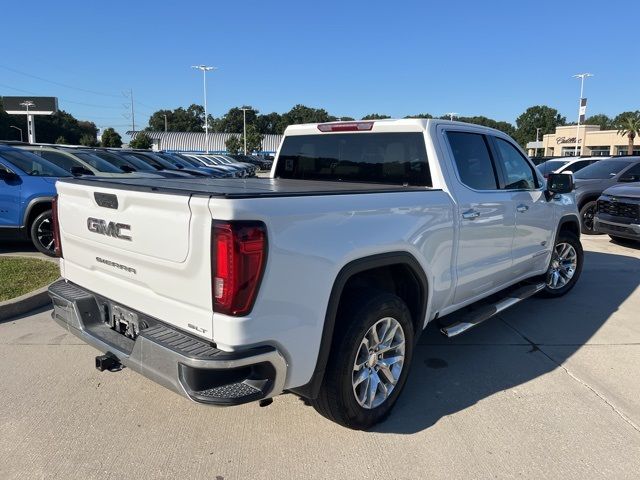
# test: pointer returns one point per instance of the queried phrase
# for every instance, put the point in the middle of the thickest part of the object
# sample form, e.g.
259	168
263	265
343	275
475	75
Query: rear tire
42	234
587	214
363	379
563	273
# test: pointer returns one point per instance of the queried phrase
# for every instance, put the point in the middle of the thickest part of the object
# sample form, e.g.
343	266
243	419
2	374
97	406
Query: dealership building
197	141
591	141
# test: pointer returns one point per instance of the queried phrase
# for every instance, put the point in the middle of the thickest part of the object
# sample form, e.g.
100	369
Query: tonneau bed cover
242	188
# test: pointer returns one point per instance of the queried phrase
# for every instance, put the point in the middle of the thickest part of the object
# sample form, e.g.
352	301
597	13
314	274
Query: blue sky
492	58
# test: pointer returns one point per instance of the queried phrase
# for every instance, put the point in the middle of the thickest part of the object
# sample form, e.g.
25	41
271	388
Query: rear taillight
55	227
345	127
238	257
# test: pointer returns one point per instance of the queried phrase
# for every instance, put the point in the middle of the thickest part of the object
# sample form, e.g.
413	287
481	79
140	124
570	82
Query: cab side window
59	159
518	173
471	155
631	175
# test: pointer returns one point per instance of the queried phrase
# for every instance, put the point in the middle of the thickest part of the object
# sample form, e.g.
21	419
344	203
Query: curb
25	303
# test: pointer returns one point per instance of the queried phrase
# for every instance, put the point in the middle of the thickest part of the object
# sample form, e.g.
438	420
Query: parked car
618	212
591	181
27	187
221	172
551	165
249	168
210	161
130	163
576	164
319	280
78	162
163	165
181	163
261	163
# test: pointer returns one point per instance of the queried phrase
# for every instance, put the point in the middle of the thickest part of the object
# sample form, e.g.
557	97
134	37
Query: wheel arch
570	222
34	208
351	271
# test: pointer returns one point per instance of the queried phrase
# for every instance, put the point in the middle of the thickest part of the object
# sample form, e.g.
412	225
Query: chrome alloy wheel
45	234
564	262
378	364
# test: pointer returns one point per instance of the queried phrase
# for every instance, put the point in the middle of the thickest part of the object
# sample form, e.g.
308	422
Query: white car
319	280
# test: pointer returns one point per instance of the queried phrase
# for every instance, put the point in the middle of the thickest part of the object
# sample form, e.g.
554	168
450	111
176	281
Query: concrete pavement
550	389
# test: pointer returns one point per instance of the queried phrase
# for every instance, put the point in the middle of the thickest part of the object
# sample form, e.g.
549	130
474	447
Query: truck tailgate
146	251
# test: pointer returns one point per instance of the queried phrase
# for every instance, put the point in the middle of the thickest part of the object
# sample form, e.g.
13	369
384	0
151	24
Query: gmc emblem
111	229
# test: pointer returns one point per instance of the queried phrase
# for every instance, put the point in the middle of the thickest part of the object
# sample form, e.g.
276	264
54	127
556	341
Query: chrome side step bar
469	318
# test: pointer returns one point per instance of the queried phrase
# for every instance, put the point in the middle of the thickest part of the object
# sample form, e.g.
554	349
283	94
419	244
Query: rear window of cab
388	158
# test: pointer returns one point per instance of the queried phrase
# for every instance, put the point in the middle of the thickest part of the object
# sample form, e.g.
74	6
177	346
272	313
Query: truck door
485	214
10	189
534	214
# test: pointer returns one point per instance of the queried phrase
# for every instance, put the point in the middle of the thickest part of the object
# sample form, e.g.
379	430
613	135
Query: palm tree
630	126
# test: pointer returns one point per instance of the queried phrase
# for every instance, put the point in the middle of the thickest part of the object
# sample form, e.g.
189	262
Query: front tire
587	214
565	266
42	233
369	361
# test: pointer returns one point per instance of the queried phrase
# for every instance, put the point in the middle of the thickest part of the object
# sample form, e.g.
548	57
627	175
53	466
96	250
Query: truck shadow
523	343
17	247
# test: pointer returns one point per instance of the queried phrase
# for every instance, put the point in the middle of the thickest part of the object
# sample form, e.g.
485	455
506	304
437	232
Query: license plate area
125	321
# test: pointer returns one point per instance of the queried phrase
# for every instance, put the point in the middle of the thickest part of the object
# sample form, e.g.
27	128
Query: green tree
629	126
254	139
234	144
61	140
600	119
142	140
420	115
505	127
269	123
233	120
375	116
303	114
539	116
618	119
88	141
190	119
111	138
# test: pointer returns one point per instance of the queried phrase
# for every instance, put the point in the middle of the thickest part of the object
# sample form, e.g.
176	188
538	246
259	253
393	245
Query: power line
59	83
60	98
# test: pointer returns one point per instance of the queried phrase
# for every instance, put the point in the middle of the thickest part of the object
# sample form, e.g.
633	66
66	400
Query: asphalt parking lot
550	389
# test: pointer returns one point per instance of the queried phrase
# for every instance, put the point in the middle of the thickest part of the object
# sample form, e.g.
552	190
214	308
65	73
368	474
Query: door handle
522	208
471	214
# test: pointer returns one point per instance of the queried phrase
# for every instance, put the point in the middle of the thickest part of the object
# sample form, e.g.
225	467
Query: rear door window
388	158
473	161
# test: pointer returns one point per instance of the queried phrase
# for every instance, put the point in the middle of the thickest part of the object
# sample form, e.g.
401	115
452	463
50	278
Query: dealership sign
30	105
561	140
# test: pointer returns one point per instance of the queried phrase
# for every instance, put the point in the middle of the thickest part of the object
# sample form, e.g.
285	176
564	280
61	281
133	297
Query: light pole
165	122
581	108
30	127
205	69
17	128
244	127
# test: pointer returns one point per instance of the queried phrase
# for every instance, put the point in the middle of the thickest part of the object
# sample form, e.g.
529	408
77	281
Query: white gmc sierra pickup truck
318	280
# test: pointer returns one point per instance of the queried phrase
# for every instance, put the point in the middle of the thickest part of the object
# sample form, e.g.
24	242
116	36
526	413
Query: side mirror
629	178
78	171
559	183
6	174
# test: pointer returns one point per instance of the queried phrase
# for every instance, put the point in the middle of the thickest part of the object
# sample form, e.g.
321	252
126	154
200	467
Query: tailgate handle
106	200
